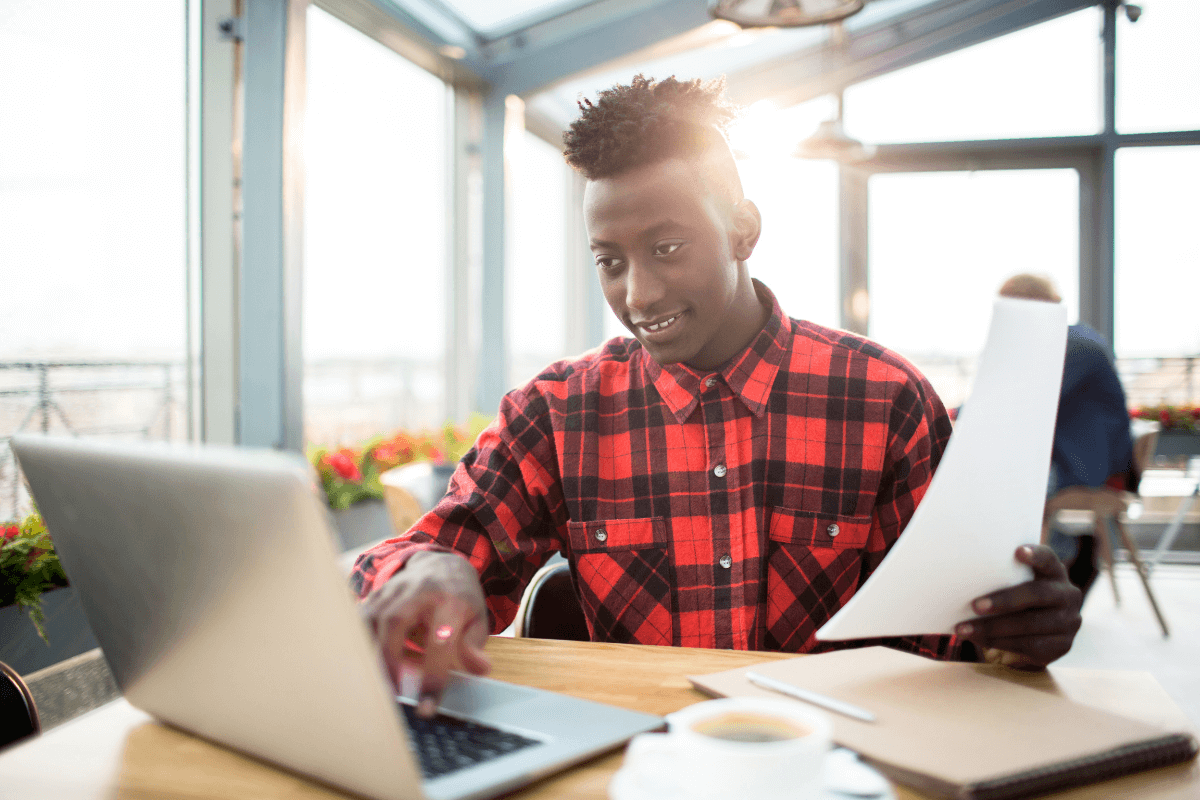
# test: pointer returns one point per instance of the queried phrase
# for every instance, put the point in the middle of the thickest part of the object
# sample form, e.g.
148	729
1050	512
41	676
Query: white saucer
846	778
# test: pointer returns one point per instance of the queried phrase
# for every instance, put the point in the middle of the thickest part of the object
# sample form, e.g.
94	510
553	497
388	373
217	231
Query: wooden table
119	753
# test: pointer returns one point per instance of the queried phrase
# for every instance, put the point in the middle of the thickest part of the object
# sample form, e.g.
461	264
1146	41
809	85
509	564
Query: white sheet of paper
987	495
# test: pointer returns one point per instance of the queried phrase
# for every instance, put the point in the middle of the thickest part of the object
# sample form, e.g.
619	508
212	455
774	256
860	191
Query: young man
726	478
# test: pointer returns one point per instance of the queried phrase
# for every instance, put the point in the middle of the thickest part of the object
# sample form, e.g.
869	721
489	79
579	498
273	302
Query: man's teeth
659	326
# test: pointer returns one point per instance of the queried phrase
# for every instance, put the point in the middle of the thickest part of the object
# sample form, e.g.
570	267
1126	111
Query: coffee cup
743	747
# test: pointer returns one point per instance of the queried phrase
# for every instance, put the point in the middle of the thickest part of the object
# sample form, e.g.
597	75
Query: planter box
362	523
369	521
21	647
1174	444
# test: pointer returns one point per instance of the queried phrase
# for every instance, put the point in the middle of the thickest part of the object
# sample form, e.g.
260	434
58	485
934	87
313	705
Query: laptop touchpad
470	695
467	694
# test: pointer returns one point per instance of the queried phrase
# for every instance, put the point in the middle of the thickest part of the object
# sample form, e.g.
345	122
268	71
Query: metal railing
347	400
1151	381
1147	381
84	398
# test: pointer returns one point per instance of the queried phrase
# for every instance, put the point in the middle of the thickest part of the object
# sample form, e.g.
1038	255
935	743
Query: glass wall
942	243
1158	273
1158	68
797	254
535	273
93	246
374	329
1040	81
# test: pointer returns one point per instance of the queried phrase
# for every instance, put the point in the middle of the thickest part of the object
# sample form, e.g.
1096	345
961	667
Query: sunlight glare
766	131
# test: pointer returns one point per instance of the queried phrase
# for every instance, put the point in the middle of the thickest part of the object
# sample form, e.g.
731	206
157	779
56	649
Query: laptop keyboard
445	744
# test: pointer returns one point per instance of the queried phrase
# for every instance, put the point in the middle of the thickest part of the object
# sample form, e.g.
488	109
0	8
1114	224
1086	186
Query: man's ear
747	224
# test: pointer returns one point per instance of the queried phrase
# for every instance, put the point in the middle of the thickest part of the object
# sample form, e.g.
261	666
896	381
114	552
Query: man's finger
1044	562
393	642
1028	595
442	644
470	649
1036	622
1037	651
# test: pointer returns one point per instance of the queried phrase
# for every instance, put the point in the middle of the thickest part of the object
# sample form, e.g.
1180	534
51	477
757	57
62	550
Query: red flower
384	453
1196	412
10	532
344	466
1164	417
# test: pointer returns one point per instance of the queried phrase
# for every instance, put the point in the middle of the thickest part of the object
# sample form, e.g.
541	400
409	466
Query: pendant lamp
830	141
783	13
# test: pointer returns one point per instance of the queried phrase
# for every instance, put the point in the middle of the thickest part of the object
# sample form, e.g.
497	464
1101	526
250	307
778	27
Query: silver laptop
209	576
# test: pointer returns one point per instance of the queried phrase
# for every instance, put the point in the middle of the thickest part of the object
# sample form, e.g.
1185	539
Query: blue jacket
1091	436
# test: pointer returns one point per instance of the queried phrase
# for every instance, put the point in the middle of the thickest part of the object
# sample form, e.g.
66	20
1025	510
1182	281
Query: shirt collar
749	375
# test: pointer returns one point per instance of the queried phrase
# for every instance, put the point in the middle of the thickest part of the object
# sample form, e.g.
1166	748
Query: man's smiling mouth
658	326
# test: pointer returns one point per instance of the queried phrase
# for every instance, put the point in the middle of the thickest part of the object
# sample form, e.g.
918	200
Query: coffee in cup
740	747
743	726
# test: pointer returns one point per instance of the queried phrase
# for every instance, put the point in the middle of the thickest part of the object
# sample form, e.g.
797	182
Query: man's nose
643	288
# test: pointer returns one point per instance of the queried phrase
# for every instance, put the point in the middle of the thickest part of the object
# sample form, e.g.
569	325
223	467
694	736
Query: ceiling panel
493	18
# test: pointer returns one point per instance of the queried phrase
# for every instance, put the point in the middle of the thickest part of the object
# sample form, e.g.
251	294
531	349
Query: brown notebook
957	730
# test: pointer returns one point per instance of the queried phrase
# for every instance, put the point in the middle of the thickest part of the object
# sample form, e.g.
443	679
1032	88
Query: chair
18	712
413	489
1104	506
550	609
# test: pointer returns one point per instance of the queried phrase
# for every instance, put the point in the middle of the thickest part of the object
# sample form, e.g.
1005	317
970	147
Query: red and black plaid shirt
732	508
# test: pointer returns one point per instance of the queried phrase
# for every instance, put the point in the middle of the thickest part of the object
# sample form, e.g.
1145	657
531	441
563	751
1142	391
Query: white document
987	496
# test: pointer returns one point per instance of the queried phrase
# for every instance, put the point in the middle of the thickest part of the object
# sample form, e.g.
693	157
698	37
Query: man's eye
666	248
608	263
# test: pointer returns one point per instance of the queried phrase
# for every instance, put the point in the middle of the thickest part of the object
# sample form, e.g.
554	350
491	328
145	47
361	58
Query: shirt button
726	562
710	382
719	470
832	530
601	535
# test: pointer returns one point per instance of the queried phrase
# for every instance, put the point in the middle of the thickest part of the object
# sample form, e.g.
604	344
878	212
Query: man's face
666	250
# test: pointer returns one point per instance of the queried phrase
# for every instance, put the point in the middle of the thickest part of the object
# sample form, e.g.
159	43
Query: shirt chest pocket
804	529
624	573
814	563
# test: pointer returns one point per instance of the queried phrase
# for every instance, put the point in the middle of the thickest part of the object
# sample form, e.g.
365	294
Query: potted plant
1178	429
350	474
41	621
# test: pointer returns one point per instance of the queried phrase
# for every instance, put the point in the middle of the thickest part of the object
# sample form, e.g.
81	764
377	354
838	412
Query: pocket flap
818	530
617	534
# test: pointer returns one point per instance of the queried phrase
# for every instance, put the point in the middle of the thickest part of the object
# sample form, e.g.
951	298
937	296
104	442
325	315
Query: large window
1158	68
942	243
1158	273
92	197
535	277
375	238
1040	81
797	254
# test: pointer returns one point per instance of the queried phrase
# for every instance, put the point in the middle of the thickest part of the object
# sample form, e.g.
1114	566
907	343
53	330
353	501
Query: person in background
728	477
1092	441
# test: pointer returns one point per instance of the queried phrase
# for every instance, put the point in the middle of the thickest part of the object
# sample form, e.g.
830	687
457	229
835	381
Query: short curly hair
1030	287
646	122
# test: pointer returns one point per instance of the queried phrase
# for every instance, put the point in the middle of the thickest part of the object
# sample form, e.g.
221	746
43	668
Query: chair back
1143	456
18	712
550	609
1101	500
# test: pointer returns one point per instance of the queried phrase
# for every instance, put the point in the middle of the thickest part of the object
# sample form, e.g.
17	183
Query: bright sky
91	189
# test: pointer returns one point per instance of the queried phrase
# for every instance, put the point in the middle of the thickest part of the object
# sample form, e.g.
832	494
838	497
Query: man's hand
436	605
1029	625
